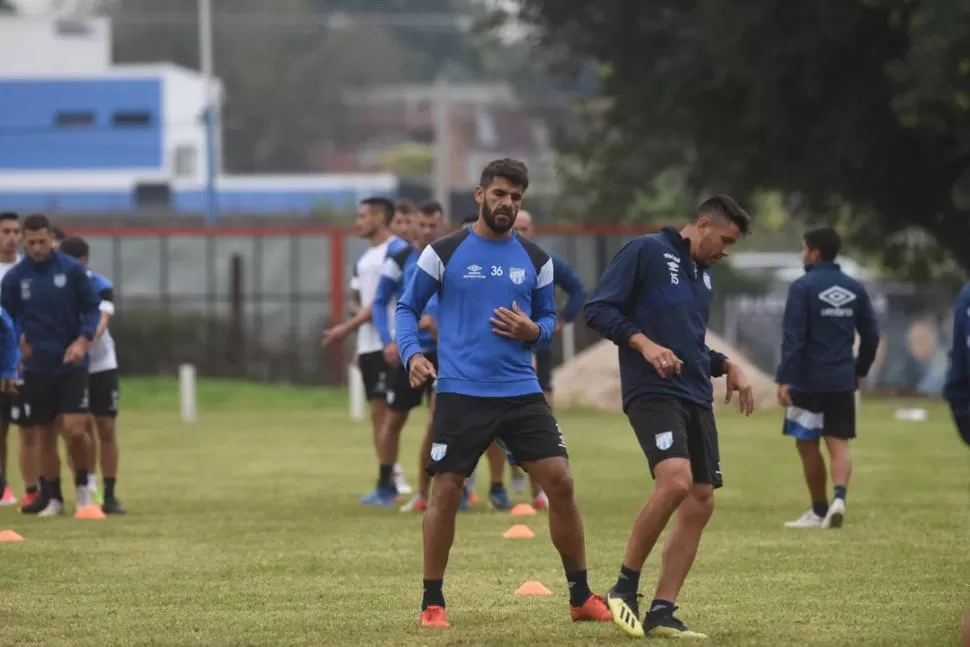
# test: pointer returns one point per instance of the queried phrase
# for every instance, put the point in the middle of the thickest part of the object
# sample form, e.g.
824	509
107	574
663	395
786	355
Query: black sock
32	489
629	581
81	478
3	482
55	486
384	478
496	487
661	608
109	487
840	492
578	588
821	508
45	488
433	597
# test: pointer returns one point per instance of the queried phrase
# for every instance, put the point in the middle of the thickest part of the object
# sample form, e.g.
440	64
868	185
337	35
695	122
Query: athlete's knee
29	439
106	429
699	504
674	480
446	492
556	481
74	426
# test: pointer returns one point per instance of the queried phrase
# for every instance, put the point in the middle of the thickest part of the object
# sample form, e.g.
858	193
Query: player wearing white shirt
10	233
374	218
103	380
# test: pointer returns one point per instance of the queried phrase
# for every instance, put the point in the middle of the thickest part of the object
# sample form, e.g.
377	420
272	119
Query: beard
508	215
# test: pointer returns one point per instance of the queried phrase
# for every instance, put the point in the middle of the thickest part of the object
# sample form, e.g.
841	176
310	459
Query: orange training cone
90	512
519	532
10	535
522	510
532	587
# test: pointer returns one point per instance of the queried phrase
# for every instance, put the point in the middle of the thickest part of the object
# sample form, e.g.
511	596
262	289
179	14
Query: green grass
245	530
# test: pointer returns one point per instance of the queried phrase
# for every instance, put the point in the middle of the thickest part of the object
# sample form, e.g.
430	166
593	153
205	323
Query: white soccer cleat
400	482
807	520
54	508
836	515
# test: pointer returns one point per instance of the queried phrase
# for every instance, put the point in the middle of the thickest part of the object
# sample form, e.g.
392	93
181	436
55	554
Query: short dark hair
405	206
75	246
36	222
512	170
381	204
725	206
58	233
431	207
9	215
469	219
826	240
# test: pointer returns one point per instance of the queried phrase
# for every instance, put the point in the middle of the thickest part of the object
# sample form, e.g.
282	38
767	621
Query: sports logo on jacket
517	275
838	297
664	440
60	280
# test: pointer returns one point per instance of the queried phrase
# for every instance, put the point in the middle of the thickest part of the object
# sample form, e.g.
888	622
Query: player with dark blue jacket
495	303
653	301
51	298
819	374
957	389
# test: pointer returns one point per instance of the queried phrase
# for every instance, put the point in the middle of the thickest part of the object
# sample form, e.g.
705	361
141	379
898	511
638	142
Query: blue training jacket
569	282
957	388
824	310
473	276
9	347
396	273
653	286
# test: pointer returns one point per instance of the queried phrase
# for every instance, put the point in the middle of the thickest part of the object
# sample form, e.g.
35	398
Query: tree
848	107
7	7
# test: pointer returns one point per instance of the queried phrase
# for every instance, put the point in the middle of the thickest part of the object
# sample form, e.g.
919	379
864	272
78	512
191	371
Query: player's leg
532	437
498	496
419	503
7	497
39	443
463	429
803	422
373	372
544	366
74	410
839	429
660	424
50	468
105	398
692	516
29	458
401	398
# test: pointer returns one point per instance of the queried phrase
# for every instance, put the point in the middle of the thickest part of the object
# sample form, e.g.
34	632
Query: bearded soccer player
653	301
495	302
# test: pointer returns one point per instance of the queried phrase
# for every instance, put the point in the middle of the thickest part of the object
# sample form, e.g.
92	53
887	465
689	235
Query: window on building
132	119
153	195
186	162
70	28
74	119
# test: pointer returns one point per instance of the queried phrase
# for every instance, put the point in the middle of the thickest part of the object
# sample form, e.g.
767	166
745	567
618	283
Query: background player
9	256
653	301
104	385
957	389
373	220
818	375
403	223
52	298
401	398
495	300
569	282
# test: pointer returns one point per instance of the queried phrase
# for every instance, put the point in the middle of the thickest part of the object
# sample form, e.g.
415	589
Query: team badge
438	451
664	440
517	275
60	280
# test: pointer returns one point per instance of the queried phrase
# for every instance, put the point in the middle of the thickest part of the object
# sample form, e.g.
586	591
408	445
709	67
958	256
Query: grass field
244	529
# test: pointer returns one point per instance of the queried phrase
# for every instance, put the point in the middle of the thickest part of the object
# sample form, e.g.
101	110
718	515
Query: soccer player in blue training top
818	375
569	282
495	302
653	301
103	378
9	363
401	398
957	389
50	296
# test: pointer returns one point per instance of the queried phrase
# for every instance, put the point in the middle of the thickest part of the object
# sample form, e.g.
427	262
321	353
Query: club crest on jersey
707	280
25	289
664	440
60	280
438	451
517	275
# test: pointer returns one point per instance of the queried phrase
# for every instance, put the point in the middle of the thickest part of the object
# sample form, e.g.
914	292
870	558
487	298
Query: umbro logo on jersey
837	297
474	272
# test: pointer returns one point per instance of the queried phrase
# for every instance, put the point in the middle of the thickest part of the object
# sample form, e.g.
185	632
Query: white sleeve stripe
107	306
431	263
545	275
391	269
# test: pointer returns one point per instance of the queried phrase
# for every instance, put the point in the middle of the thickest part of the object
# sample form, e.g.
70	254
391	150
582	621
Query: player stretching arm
495	302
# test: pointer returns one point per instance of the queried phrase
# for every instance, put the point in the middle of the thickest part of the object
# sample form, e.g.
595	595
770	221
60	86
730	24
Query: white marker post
355	382
187	394
568	342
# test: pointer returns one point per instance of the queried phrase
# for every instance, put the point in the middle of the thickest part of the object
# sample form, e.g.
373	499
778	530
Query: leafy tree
856	110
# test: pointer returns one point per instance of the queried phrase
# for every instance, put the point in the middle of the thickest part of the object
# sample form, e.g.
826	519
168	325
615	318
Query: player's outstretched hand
514	324
420	370
335	334
738	381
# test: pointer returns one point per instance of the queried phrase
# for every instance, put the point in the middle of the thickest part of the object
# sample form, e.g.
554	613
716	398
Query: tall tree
857	107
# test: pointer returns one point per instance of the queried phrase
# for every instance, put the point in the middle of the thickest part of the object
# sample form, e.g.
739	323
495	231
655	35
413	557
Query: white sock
92	480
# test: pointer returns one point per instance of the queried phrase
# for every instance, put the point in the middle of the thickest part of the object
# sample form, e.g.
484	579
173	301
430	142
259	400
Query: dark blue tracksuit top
824	310
957	388
653	286
53	303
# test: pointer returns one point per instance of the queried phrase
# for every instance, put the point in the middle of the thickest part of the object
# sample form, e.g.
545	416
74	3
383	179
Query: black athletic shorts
16	412
813	415
105	393
400	396
374	371
6	408
544	368
48	395
464	427
671	427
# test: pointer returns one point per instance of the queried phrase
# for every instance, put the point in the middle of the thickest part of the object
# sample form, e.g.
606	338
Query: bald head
523	224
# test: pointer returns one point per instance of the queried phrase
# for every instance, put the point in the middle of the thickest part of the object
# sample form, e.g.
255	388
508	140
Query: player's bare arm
737	381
